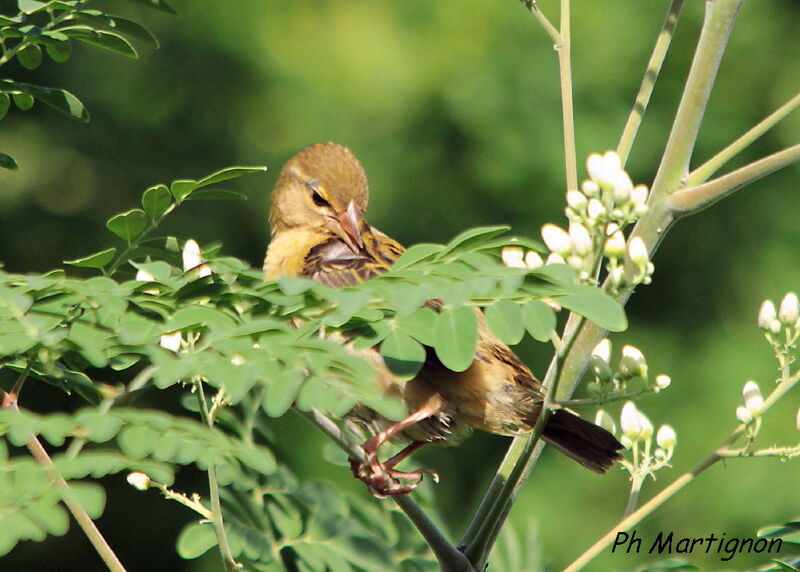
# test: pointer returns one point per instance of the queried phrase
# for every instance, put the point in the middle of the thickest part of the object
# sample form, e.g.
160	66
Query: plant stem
633	497
565	67
649	81
80	515
694	199
213	490
719	18
704	171
450	559
646	509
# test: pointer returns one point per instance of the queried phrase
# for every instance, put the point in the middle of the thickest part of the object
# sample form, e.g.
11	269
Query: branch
565	67
692	200
704	171
450	559
88	526
649	81
717	25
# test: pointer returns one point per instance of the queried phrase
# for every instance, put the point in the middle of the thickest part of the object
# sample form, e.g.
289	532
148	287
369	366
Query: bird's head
321	187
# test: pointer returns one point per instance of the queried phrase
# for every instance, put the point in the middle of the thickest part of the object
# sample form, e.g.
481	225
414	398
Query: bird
318	231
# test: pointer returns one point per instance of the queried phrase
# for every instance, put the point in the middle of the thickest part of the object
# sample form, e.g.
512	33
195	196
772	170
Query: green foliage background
453	108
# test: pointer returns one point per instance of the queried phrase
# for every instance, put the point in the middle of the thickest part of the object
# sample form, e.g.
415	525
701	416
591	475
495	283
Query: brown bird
318	231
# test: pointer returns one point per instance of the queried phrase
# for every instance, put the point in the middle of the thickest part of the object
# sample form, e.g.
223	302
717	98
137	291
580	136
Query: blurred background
453	108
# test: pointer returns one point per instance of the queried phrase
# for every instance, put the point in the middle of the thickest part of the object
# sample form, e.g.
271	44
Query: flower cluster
753	403
607	202
631	378
636	434
781	327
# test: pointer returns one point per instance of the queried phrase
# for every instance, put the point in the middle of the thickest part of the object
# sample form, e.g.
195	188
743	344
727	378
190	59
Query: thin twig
649	81
704	171
450	559
80	515
213	491
694	199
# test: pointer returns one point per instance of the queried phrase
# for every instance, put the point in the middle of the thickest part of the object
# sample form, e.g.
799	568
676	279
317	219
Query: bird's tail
583	441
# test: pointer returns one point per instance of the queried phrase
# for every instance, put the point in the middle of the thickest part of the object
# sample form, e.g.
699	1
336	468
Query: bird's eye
318	199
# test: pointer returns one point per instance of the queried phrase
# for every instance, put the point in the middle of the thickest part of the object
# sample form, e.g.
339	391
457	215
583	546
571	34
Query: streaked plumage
318	231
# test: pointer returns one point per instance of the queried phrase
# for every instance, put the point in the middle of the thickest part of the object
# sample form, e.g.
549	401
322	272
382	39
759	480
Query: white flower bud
638	251
595	209
603	350
605	421
596	167
647	427
622	187
662	381
556	239
766	315
627	443
752	398
590	189
513	256
143	275
633	363
192	258
614	246
577	200
581	239
617	276
630	422
554	258
666	437
639	195
798	419
601	369
743	415
138	480
789	310
171	341
533	260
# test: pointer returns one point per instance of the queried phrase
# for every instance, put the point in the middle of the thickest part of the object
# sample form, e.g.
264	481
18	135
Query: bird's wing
334	264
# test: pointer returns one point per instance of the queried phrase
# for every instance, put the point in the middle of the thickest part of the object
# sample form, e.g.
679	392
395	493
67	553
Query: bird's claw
382	481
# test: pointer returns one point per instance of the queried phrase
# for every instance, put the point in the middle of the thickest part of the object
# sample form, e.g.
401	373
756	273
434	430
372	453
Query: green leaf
96	260
128	225
539	319
415	254
160	5
182	188
228	174
134	30
504	319
102	39
216	195
597	306
455	337
58	46
30	57
7	162
23	101
156	201
195	540
91	496
420	325
5	103
471	237
30	6
281	392
403	355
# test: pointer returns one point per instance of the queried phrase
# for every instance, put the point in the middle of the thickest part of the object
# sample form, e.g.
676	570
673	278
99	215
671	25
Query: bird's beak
347	226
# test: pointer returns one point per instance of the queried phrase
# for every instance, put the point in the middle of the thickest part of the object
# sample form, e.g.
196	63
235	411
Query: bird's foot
383	480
